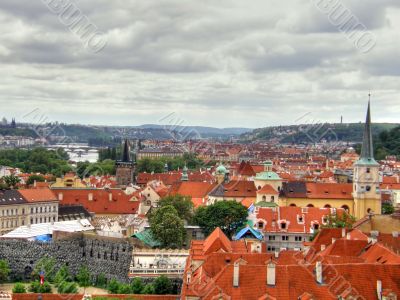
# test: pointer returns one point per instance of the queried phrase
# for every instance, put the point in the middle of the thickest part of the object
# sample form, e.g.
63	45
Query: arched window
310	205
259	187
369	210
327	206
346	208
292	204
264	198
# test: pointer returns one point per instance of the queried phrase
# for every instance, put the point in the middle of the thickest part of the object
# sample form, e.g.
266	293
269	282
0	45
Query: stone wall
102	255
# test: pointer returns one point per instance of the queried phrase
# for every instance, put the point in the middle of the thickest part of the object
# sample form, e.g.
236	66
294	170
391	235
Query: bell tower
366	192
125	168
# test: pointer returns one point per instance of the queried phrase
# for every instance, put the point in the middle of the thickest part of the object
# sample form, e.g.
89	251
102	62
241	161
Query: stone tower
366	192
125	167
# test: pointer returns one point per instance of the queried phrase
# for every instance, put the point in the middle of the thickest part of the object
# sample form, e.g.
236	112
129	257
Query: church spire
367	148
126	157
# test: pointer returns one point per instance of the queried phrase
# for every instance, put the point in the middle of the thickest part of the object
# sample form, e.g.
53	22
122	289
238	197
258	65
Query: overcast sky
213	63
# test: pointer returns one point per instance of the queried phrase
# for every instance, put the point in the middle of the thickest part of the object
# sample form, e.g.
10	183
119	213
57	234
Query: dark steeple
126	157
367	149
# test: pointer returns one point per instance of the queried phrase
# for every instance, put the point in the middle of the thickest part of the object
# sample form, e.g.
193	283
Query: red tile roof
38	195
196	190
105	201
297	219
267	189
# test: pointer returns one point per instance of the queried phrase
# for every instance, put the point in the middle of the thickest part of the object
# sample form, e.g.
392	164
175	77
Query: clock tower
366	192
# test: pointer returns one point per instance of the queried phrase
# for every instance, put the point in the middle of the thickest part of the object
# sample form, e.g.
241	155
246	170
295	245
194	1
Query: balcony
155	272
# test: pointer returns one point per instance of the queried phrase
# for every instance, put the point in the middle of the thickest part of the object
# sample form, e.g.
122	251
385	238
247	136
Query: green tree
4	270
227	215
167	227
113	286
387	209
38	178
343	220
62	275
148	289
162	285
48	266
182	204
101	280
19	288
11	180
83	276
137	285
66	287
124	289
36	287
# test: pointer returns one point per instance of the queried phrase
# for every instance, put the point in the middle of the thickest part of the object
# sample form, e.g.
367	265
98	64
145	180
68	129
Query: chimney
276	254
318	272
323	247
236	274
348	236
110	197
271	271
379	289
188	277
343	232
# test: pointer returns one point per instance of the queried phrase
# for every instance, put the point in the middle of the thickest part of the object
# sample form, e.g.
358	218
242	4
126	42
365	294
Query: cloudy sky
214	63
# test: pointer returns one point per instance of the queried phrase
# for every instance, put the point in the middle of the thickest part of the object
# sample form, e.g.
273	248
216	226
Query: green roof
267	175
221	169
266	204
147	238
366	161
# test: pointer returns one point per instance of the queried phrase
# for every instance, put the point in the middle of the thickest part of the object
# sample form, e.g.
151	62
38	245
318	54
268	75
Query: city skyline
210	64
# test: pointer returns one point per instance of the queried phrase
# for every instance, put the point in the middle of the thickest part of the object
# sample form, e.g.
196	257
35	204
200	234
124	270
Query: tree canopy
4	270
38	160
227	215
167	227
182	204
157	165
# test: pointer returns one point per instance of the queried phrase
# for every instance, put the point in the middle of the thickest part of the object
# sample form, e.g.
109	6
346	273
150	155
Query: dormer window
260	225
368	170
324	220
315	226
300	219
283	225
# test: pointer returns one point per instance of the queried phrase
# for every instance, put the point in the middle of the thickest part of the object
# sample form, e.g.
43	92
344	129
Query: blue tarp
43	238
248	230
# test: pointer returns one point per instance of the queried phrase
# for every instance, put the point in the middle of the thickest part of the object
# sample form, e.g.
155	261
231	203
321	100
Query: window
272	198
298	238
271	238
316	226
368	170
367	188
300	219
285	237
260	225
283	225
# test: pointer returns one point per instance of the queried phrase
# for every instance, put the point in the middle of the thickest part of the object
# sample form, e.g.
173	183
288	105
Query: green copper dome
267	175
221	169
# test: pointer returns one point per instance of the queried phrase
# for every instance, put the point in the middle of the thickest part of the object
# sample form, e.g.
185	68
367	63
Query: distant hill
207	131
310	133
111	135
